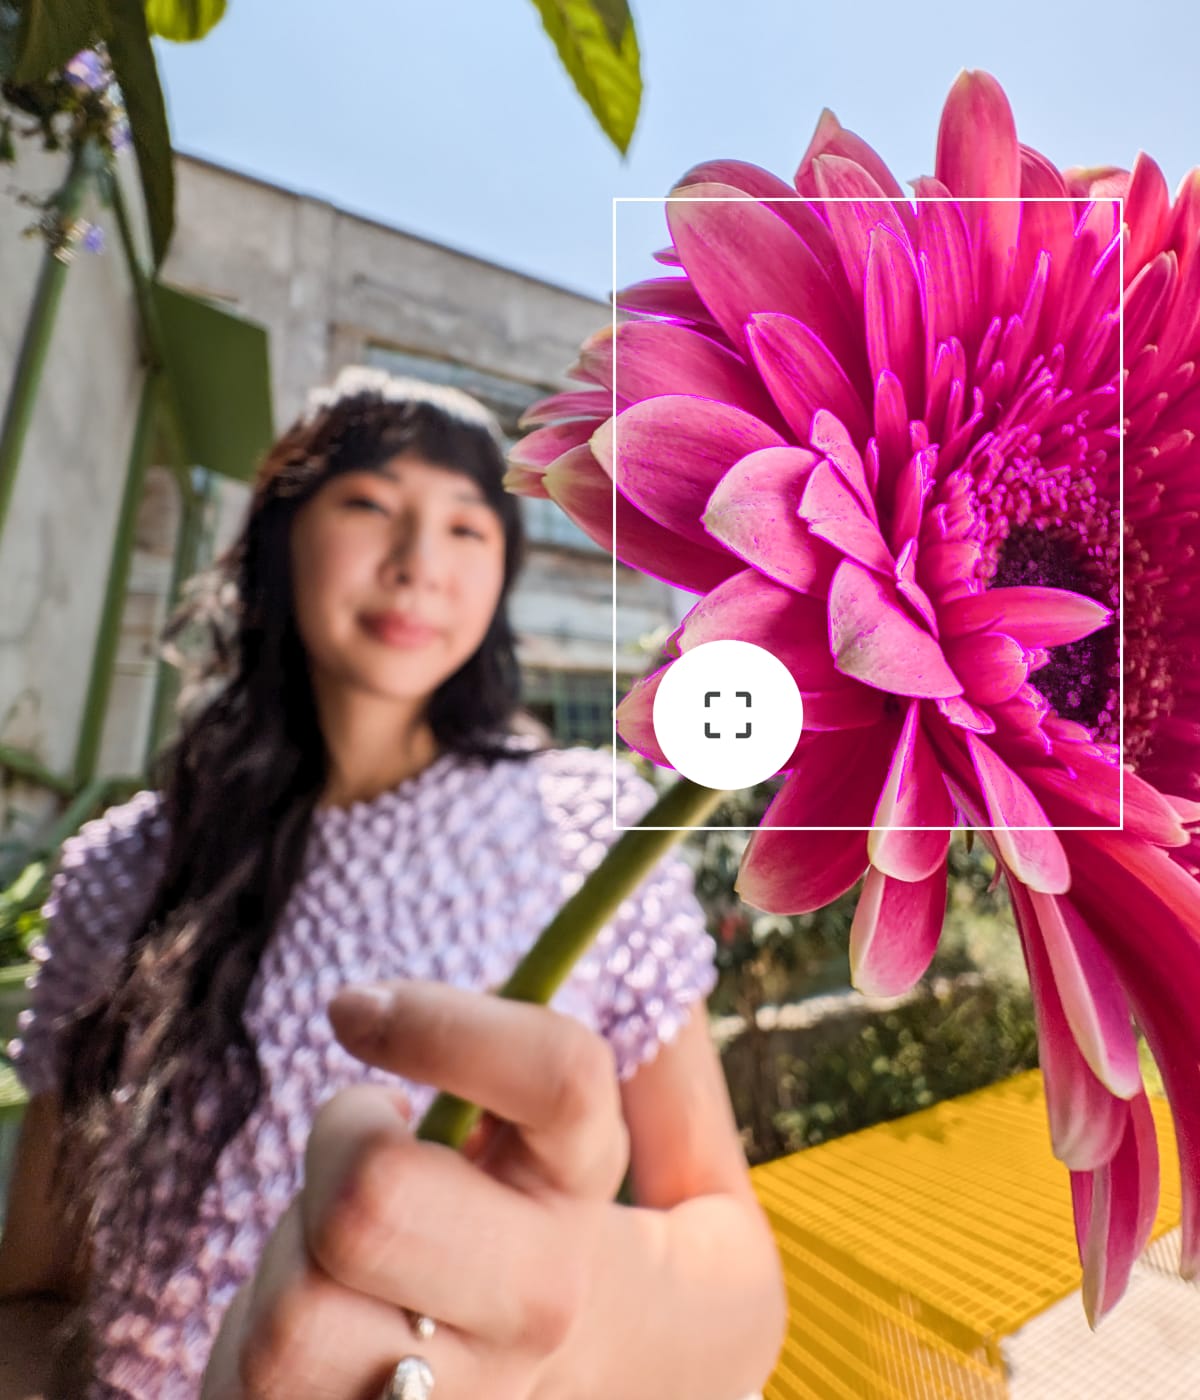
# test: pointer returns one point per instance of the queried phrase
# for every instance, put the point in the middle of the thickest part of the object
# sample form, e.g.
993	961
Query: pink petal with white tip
830	435
833	511
875	641
914	795
1086	1120
752	513
1111	1236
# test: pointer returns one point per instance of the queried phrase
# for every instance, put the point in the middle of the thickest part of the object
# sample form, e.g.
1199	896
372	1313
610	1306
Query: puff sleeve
654	960
106	878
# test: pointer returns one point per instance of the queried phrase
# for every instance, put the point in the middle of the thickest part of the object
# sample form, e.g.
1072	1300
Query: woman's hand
498	1244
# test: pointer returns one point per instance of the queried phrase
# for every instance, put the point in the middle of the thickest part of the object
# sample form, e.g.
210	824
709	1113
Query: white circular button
727	714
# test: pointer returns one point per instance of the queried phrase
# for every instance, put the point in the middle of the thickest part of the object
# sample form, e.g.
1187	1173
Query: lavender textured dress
448	876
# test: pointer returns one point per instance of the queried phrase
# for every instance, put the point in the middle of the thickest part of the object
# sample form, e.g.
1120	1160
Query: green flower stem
35	343
545	967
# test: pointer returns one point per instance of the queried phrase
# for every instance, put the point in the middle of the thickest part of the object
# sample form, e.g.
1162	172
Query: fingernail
359	1008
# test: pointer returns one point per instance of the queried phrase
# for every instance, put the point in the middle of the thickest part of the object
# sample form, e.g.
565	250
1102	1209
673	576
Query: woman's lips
396	632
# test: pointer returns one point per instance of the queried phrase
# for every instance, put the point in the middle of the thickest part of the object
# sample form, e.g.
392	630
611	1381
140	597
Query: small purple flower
119	134
93	239
87	70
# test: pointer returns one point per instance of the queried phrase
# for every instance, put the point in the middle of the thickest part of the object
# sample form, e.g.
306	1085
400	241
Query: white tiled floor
1148	1348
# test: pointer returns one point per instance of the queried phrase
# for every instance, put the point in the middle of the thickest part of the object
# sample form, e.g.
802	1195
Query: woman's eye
467	529
365	502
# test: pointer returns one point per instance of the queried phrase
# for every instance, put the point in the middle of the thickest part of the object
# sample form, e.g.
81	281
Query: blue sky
456	122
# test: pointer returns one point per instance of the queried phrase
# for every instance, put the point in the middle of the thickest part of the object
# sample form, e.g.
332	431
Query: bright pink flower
881	440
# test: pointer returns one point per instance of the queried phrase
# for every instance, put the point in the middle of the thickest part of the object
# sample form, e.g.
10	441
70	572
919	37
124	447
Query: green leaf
183	20
51	33
135	70
615	14
607	74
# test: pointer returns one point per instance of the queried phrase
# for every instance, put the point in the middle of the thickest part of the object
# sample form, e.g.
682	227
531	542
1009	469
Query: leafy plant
595	39
21	920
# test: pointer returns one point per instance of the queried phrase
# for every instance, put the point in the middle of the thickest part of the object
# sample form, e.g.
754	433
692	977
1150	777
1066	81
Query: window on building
575	705
545	522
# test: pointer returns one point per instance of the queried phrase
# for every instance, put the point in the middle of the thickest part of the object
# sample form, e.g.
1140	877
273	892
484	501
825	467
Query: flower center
1080	679
1149	694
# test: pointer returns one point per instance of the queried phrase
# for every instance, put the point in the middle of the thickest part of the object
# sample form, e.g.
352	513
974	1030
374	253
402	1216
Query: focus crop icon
728	714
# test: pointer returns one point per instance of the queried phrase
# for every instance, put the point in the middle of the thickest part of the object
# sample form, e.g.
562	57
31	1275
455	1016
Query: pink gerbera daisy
881	439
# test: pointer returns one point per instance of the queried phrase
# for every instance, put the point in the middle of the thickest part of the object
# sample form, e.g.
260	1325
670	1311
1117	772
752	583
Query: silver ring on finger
423	1326
411	1380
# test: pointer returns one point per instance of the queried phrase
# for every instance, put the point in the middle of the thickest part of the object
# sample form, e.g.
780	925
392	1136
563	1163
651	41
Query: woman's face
408	541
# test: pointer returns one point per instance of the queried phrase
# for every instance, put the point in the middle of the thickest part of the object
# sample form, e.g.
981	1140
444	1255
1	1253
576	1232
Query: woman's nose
413	551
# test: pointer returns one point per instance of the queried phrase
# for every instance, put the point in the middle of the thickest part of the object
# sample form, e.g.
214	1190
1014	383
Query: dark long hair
239	786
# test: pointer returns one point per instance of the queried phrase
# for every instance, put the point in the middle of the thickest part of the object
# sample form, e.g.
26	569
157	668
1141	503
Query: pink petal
831	138
540	448
751	608
1115	1207
857	205
525	481
1086	1121
944	258
743	258
1146	910
595	404
911	591
752	513
961	713
1147	211
834	512
635	717
914	795
802	376
585	492
978	156
831	436
658	357
833	784
1089	795
665	296
895	931
1036	858
895	328
875	641
1094	1004
993	666
850	706
780	198
673	450
1033	616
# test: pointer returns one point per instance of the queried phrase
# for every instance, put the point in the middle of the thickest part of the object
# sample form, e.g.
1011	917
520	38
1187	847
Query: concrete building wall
56	541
